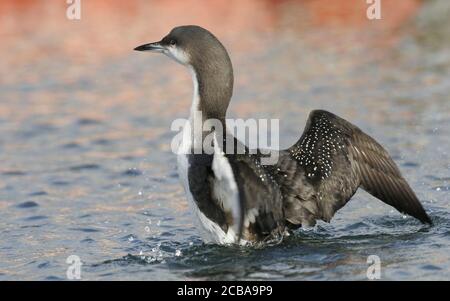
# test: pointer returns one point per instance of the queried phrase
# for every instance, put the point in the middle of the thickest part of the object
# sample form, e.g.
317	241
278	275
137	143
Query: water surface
86	166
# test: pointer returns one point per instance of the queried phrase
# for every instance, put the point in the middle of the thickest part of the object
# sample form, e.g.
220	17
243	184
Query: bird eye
172	42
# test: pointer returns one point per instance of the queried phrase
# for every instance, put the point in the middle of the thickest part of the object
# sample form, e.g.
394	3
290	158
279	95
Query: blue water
86	167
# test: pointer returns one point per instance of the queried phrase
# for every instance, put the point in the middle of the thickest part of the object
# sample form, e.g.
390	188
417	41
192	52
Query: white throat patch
177	54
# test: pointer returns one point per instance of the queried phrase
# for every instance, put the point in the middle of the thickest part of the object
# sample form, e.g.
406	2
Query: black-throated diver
236	198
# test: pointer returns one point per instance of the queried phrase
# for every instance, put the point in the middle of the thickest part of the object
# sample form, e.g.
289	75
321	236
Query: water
86	167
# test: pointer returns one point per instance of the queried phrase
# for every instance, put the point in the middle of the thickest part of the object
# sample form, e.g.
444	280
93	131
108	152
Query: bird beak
153	47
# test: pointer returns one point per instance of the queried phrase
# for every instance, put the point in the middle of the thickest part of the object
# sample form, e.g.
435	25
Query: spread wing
323	170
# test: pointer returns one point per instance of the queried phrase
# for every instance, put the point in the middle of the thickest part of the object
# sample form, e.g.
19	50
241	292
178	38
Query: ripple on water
441	188
14	173
435	178
130	259
167	234
132	172
131	238
128	158
38	193
431	267
36	130
410	164
88	121
86	230
87	241
54	278
31	226
81	167
27	204
60	183
36	218
101	141
44	265
71	145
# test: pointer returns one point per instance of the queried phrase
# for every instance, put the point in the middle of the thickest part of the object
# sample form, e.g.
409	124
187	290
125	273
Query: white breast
211	232
224	188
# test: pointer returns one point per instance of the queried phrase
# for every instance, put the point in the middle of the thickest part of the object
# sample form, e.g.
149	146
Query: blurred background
85	160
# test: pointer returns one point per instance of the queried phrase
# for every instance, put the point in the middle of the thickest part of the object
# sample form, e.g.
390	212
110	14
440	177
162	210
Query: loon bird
239	200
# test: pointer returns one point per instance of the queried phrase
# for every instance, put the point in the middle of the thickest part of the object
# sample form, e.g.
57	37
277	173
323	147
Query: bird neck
213	88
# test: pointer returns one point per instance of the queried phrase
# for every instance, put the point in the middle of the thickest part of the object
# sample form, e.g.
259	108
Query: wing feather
344	158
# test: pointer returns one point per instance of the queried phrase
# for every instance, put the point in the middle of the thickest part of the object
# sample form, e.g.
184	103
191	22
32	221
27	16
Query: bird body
235	197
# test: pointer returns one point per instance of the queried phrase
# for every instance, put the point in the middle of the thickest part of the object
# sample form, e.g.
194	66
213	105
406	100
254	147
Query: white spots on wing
315	151
262	173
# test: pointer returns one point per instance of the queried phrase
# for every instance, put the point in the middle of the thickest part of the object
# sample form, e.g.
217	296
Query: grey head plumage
198	49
